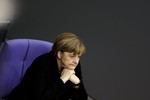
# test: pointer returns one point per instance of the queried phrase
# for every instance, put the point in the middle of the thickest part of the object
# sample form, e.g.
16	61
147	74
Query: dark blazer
42	82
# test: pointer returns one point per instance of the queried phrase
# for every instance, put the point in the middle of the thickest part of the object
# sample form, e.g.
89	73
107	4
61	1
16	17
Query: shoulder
42	58
45	60
39	61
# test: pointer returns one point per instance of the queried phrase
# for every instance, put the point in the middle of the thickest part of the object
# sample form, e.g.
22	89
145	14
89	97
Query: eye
72	55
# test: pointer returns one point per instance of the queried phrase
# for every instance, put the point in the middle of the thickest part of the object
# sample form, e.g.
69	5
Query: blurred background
116	65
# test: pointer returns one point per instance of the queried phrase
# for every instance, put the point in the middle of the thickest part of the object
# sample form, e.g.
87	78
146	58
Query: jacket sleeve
39	85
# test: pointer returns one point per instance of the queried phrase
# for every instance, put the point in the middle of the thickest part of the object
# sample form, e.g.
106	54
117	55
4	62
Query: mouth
73	65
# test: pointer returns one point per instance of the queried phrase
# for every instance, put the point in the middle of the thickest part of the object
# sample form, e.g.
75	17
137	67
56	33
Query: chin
71	68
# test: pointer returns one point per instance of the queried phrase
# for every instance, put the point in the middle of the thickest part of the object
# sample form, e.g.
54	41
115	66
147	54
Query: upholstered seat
15	57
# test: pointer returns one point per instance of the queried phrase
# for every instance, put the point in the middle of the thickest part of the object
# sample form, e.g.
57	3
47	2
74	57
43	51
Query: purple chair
15	57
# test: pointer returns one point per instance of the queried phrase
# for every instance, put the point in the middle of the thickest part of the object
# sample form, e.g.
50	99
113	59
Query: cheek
67	61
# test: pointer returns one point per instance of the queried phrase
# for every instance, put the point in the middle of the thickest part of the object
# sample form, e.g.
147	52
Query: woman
55	75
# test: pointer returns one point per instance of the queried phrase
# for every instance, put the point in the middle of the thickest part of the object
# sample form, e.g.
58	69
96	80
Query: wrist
63	79
76	86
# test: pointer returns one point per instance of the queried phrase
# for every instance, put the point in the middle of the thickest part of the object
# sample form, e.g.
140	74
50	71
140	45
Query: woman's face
68	60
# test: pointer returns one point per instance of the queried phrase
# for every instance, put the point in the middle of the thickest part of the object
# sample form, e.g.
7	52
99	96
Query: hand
74	79
66	74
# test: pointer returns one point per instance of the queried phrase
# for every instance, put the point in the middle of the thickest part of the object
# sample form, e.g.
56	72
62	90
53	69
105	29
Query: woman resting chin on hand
55	75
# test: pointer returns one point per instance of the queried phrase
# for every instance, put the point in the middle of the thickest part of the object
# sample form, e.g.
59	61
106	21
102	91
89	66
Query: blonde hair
68	42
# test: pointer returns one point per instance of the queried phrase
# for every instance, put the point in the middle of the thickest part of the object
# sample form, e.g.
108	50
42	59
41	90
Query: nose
76	60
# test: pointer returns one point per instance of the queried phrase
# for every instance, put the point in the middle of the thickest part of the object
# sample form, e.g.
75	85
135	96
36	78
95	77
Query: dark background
115	32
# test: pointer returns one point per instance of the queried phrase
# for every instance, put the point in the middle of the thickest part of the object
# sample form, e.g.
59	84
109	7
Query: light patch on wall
8	10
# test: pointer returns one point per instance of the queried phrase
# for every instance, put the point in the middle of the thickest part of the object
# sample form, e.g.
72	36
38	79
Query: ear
59	53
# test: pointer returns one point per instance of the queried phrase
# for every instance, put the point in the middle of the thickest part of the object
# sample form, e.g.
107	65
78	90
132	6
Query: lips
73	65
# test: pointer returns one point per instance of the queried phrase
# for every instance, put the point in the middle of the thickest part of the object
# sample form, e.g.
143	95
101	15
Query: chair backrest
15	57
